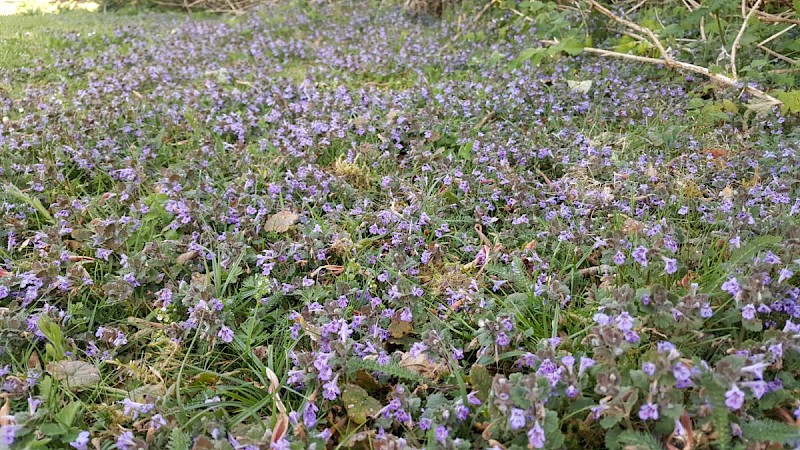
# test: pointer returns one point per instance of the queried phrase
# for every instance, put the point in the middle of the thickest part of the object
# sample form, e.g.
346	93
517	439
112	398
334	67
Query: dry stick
719	78
767	17
735	44
653	38
776	54
775	36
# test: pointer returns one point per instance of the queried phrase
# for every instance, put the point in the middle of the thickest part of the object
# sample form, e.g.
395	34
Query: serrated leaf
178	440
76	374
766	430
359	404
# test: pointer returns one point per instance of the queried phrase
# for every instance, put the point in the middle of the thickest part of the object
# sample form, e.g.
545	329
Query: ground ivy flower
670	265
81	442
8	434
536	437
734	398
640	255
516	419
648	411
749	312
619	258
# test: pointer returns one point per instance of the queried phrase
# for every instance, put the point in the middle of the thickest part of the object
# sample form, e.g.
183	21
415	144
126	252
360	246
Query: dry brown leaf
399	328
632	226
5	414
280	222
80	259
34	362
280	428
422	365
183	258
726	193
76	374
5	273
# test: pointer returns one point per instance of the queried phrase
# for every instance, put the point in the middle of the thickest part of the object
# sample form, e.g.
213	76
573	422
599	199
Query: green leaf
67	415
790	99
178	440
572	46
609	421
481	381
766	430
51	429
360	406
635	440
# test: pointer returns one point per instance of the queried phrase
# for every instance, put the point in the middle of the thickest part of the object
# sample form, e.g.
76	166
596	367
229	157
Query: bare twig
736	41
776	35
773	18
777	55
634	26
485	120
719	78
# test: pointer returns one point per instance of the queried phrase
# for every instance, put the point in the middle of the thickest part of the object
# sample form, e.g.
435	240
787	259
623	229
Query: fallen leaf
280	222
75	374
360	406
726	193
579	86
280	428
5	273
5	414
183	258
422	365
399	328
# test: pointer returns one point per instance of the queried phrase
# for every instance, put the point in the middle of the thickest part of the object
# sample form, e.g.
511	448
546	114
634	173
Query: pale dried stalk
739	35
776	35
635	26
776	54
719	78
767	17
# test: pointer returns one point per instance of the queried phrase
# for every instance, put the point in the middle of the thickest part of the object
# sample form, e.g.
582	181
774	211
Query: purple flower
441	434
732	287
648	411
330	390
624	321
619	258
517	419
749	312
536	438
225	334
784	275
80	442
125	441
734	398
310	415
640	255
8	433
649	368
425	423
670	265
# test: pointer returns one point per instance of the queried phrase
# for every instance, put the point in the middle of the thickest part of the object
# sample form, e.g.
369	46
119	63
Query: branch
671	63
735	44
767	17
634	26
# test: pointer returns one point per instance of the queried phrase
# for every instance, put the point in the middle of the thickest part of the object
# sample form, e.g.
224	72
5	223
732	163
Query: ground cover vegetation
341	226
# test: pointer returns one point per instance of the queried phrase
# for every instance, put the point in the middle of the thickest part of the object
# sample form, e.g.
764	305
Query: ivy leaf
790	99
572	46
360	406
